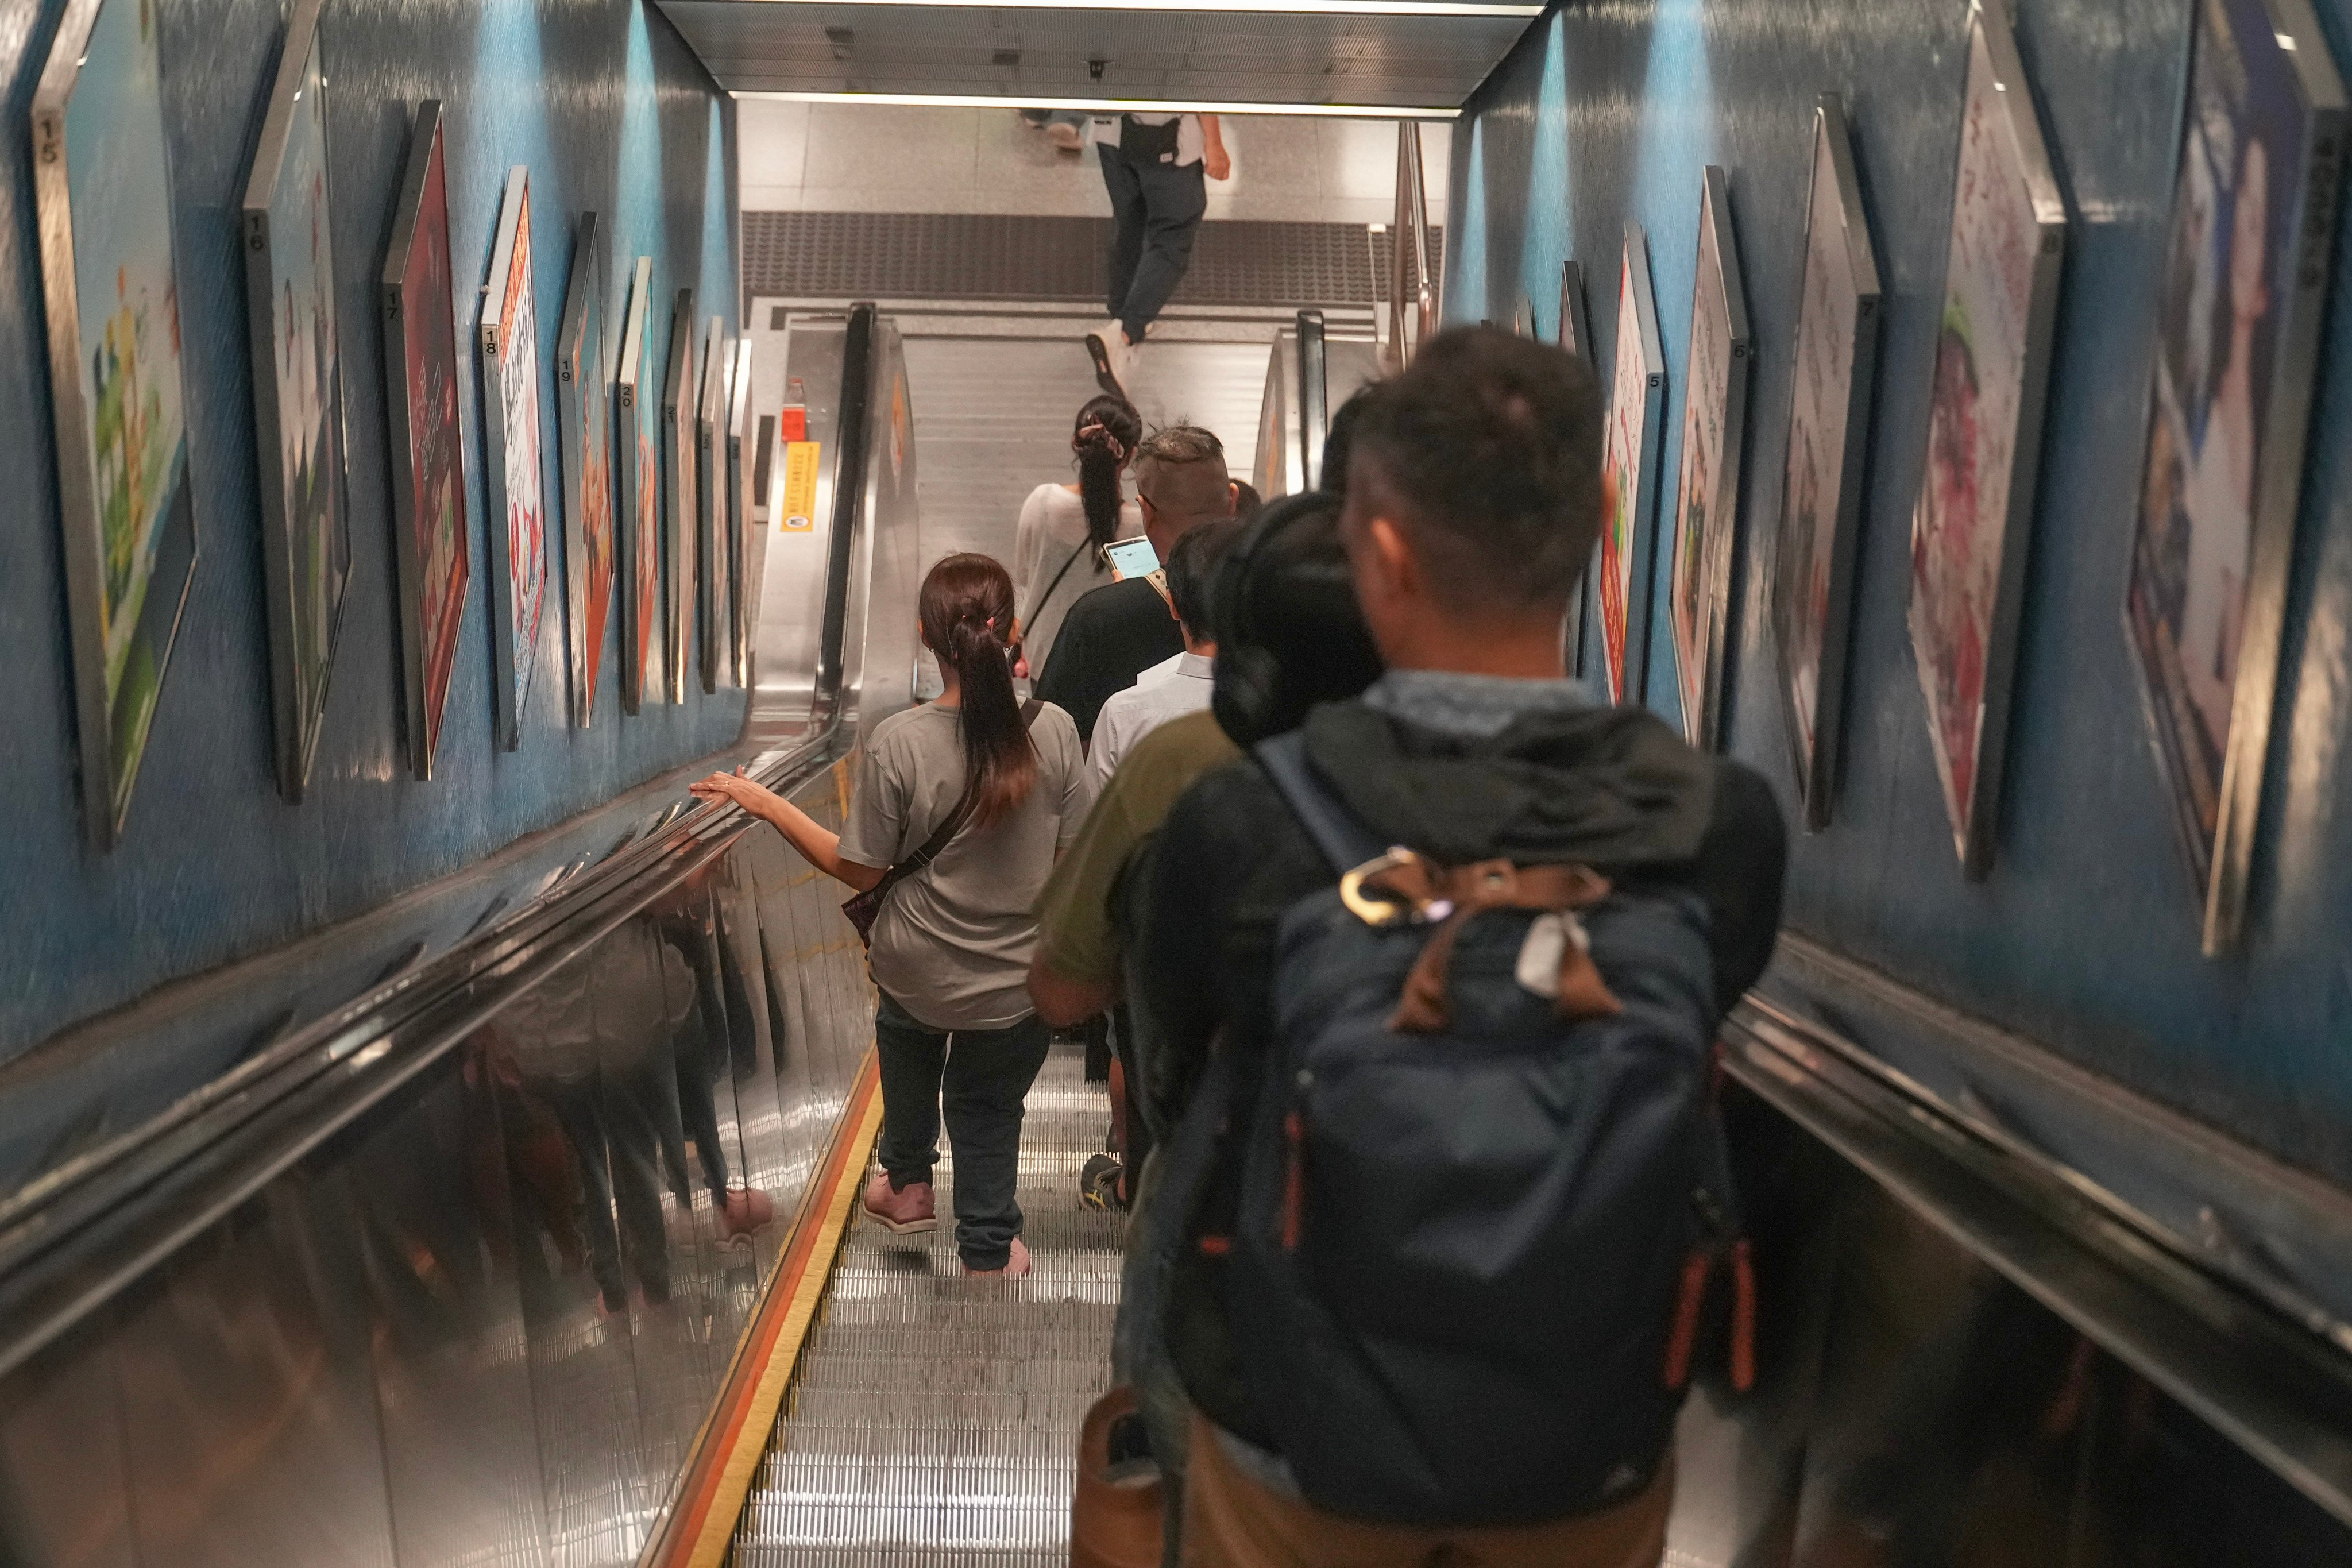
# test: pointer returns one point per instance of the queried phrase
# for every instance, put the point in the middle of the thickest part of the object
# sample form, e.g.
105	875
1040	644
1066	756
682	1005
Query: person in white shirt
1057	545
1152	167
1176	686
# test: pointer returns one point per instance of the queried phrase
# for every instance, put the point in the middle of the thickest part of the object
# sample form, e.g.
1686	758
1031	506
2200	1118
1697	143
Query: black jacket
1111	635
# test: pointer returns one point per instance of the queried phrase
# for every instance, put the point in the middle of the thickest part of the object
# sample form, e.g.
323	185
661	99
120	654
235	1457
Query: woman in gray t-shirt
950	948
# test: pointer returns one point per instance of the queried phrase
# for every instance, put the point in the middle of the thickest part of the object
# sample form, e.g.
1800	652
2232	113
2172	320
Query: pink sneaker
1015	1265
903	1212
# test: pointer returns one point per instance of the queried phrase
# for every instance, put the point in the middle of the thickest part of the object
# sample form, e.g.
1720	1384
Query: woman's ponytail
1108	433
966	611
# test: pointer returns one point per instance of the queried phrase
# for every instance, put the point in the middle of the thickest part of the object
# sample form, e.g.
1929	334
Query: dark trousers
1157	208
980	1077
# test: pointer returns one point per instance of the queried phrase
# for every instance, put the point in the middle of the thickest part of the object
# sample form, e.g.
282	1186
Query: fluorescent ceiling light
1108	105
1303	8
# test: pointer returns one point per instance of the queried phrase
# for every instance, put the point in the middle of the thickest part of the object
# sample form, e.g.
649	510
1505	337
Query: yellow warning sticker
800	486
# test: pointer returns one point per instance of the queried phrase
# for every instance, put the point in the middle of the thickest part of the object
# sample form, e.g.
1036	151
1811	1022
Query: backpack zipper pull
1684	1337
1743	1317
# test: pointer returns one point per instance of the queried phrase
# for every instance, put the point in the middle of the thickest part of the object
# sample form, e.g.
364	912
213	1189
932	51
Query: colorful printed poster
510	345
638	433
297	394
1968	543
434	558
103	184
1706	497
584	395
1628	459
2227	416
1835	356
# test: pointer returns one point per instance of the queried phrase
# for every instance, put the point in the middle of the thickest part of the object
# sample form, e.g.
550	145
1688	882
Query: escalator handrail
2257	1371
73	1238
1314	398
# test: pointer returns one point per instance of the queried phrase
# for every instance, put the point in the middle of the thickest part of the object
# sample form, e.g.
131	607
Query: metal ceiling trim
1279	7
1099	105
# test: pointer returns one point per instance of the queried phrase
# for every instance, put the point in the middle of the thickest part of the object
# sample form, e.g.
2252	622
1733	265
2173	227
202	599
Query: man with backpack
1432	984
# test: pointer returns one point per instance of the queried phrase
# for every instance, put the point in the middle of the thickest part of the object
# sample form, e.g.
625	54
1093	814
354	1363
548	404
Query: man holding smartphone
1121	629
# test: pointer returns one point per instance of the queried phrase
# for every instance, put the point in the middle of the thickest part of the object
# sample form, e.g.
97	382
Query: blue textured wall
611	113
2085	937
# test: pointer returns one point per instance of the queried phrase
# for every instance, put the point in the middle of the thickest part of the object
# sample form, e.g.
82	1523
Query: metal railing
1414	283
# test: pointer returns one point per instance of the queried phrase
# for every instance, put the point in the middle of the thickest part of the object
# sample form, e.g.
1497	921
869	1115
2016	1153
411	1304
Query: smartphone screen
1130	558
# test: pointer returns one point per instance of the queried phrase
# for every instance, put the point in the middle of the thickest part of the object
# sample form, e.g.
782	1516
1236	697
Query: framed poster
1575	325
1968	531
637	397
1576	337
1836	363
584	398
511	426
1630	458
744	466
1706	497
102	195
713	613
298	398
2254	220
430	554
680	508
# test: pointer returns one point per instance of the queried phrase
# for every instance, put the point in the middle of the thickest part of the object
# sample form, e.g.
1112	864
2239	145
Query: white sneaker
1065	136
1107	345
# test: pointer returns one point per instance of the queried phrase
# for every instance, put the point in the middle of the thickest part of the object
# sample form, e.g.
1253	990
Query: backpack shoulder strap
1345	842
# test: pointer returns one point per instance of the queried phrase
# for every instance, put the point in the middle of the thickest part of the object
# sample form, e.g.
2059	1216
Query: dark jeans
981	1076
1158	207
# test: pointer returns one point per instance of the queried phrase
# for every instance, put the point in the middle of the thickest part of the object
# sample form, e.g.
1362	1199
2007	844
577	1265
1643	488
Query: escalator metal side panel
792	569
880	677
1278	470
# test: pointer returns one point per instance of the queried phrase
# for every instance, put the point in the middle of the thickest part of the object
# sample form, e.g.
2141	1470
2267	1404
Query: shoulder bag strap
950	826
1039	607
1345	842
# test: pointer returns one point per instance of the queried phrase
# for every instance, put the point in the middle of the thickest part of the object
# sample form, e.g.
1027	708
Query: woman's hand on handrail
818	845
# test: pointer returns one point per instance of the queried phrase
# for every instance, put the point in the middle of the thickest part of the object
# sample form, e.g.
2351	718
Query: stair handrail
1409	234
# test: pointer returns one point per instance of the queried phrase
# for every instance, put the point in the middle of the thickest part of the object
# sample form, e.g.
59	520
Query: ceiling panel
1023	54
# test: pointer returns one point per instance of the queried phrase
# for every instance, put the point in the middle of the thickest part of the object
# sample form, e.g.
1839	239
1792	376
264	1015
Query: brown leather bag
1112	1525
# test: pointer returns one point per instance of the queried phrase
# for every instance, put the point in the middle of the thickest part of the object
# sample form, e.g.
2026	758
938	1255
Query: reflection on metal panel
445	1322
1307	377
935	1417
65	1492
879	639
482	1322
1913	1406
247	1400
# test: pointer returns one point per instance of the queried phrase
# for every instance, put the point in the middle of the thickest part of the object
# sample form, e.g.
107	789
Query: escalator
513	1223
437	1238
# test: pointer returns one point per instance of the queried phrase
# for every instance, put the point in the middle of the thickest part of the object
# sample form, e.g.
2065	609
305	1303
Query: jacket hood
1608	787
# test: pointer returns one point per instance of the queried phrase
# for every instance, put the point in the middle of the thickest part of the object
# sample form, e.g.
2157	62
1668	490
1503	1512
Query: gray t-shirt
953	942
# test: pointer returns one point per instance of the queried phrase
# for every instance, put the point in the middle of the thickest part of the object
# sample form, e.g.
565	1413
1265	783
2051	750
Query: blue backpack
1477	1221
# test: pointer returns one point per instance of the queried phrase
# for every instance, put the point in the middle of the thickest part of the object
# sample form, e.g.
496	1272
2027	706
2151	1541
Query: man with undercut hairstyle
1473	496
1121	629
